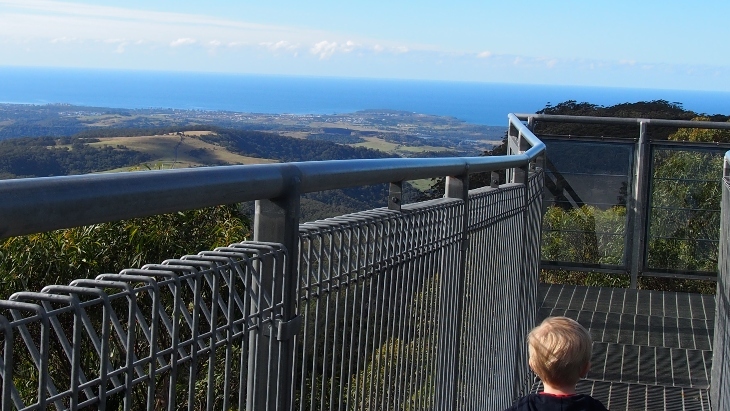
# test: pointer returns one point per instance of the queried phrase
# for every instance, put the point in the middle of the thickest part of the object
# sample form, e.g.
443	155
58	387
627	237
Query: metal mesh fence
720	378
392	313
173	336
500	294
372	288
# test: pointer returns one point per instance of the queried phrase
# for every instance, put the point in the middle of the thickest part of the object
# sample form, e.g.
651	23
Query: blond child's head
560	351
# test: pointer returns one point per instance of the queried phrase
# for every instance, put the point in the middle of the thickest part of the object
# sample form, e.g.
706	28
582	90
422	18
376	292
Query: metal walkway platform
652	350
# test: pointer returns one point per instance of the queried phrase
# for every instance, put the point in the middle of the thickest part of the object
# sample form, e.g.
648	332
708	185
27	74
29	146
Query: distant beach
481	103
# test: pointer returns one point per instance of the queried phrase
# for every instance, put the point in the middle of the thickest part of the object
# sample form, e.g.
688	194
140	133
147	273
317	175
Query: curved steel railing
43	204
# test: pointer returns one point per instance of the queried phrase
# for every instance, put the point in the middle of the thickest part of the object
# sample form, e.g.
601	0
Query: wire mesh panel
172	336
371	290
720	378
380	295
500	291
684	209
530	278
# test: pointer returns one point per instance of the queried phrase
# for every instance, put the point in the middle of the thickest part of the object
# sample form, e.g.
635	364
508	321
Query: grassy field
175	151
106	120
295	134
393	148
422	185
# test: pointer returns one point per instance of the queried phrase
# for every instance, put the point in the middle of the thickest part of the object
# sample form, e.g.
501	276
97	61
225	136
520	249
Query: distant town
397	132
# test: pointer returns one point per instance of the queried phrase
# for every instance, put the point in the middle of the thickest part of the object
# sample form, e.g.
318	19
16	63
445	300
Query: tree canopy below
657	109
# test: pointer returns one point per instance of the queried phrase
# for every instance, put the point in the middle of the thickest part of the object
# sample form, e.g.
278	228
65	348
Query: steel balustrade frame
124	313
556	118
169	320
263	316
635	258
720	374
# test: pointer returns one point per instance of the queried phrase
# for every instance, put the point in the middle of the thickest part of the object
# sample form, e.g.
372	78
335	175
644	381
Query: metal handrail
43	204
555	118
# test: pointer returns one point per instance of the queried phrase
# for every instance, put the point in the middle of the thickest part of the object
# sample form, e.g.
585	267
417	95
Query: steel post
458	187
719	387
638	205
517	144
270	370
539	161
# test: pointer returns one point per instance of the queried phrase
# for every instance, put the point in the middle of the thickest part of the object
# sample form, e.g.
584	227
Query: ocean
480	103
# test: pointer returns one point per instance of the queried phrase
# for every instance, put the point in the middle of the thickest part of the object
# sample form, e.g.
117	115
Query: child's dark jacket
547	402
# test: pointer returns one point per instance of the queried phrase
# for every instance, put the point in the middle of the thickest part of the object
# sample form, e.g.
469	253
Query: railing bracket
287	329
494	181
465	243
395	196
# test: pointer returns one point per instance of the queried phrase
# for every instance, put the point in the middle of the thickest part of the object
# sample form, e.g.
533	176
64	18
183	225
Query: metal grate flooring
652	350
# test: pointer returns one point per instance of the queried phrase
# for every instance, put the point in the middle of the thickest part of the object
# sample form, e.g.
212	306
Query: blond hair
560	351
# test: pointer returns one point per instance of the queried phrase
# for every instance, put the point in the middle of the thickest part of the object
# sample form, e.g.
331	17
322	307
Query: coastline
478	103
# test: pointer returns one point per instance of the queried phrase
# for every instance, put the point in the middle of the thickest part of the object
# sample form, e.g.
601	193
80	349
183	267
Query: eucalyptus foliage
685	198
683	220
58	257
585	234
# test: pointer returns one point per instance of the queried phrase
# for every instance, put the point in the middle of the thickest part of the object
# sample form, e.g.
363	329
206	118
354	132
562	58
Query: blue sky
649	44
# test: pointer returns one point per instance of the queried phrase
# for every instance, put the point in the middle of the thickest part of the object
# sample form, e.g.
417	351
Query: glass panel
580	173
684	209
585	199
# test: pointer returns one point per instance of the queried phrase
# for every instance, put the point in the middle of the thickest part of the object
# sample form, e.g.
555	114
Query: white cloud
349	46
548	62
182	42
121	45
395	49
91	30
64	39
281	45
54	20
58	22
324	49
59	8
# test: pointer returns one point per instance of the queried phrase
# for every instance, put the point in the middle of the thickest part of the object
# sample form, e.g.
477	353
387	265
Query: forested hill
46	156
286	149
657	109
